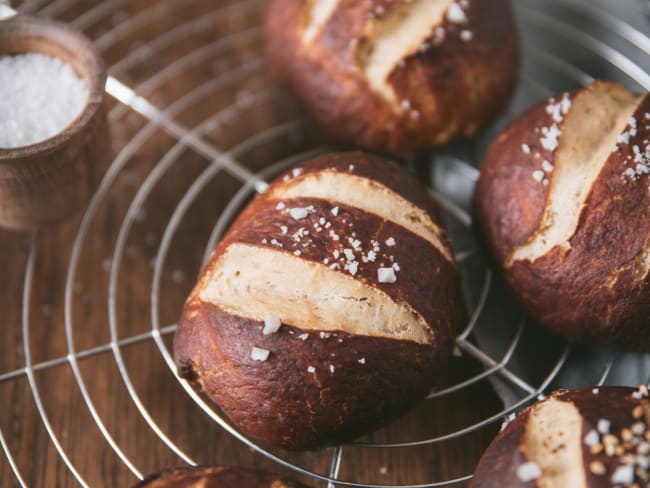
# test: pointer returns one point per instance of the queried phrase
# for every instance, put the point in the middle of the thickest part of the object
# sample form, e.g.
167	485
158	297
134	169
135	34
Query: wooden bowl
47	181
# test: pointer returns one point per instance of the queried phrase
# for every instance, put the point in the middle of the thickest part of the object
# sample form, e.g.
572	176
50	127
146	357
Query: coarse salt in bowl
54	137
41	95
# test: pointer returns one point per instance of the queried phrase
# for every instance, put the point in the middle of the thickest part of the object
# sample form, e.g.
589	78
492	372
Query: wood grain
138	29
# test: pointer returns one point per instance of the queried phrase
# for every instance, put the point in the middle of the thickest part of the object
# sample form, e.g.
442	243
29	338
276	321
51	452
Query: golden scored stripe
395	36
598	115
367	195
553	441
252	281
316	15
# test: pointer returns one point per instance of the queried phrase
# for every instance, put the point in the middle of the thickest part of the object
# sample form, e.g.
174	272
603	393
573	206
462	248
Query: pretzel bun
216	477
396	76
563	202
328	309
591	438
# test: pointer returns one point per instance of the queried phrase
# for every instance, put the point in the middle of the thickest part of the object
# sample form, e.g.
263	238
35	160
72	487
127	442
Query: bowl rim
94	74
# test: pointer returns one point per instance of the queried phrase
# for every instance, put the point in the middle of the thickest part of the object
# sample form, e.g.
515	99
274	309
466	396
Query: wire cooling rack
254	133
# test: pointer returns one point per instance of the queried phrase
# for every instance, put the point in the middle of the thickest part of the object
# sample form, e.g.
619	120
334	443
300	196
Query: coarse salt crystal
390	242
632	123
550	139
6	11
362	361
466	35
565	104
272	324
332	368
638	155
439	36
603	426
629	173
546	166
456	14
280	206
353	267
525	148
302	337
335	211
349	254
528	472
595	391
623	138
538	175
623	474
592	438
638	428
558	110
259	354
299	213
311	369
41	96
386	275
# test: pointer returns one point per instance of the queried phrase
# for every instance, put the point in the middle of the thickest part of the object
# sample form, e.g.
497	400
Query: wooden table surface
66	396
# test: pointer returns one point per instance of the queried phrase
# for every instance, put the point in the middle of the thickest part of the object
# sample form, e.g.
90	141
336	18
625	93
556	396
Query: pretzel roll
396	76
216	477
328	309
591	438
563	202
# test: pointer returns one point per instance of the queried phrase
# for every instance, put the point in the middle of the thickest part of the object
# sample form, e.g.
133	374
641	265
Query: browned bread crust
453	78
354	351
216	477
569	226
575	438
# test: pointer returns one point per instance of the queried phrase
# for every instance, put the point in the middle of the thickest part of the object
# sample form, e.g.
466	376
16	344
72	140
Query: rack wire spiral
588	42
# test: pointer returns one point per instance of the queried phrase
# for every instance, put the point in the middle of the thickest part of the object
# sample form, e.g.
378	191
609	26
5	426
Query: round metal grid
617	57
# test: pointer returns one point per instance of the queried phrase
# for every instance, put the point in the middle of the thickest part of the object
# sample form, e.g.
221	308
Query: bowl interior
25	34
